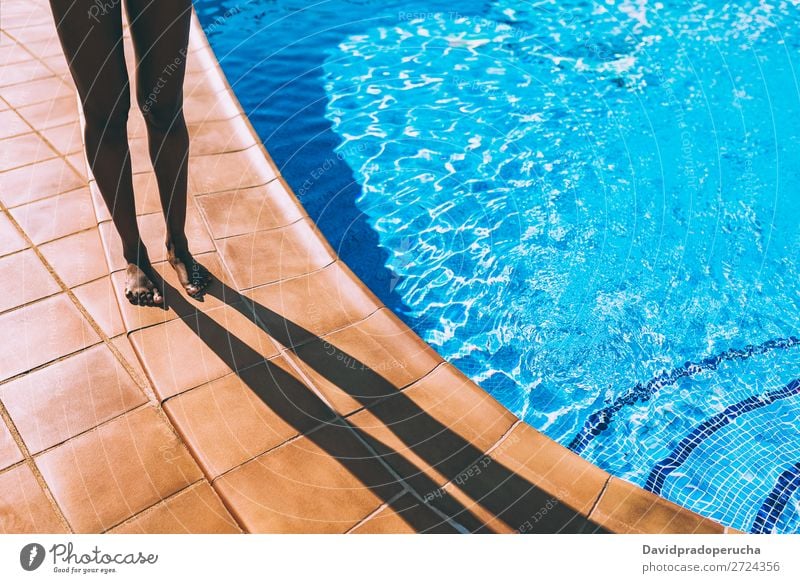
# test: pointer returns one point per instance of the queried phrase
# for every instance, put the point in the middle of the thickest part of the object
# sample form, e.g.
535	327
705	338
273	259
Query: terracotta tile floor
288	399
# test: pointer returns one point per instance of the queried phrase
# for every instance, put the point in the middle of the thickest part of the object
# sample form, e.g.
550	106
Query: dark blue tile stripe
659	473
788	483
643	392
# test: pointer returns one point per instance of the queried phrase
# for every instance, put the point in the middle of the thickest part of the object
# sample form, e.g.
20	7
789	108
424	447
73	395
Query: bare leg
92	43
160	31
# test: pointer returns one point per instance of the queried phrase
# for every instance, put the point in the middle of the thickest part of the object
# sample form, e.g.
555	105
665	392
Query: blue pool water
590	208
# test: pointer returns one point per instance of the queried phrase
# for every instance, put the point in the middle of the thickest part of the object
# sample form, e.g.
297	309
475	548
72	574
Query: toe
157	299
149	298
204	279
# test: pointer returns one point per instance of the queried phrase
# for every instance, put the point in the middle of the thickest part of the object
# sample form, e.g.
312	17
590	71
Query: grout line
81	308
460	528
268	229
49	196
503	437
269	450
48	77
400	390
28	303
378	510
100	425
243	291
49	362
154	506
599	496
29	462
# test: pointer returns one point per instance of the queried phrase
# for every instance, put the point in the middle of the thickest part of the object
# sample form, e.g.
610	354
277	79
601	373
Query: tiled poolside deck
288	400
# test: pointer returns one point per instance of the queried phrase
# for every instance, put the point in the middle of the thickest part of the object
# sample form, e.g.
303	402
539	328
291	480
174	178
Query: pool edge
619	506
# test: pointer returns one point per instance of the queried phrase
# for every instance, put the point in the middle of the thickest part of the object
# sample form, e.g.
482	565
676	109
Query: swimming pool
590	208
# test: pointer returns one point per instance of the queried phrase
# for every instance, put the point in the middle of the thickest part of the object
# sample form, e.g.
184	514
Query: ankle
136	254
177	246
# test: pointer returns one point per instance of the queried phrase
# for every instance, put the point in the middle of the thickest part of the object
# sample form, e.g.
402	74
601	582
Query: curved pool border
611	503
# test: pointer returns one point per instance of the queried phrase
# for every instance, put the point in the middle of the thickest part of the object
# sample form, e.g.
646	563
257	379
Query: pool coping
617	505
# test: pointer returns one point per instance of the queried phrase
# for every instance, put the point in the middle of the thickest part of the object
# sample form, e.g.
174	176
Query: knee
108	116
162	114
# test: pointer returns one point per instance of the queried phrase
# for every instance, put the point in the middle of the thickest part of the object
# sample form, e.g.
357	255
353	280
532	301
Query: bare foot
193	276
139	288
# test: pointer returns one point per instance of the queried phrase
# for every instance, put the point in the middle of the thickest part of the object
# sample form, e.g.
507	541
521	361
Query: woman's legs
92	43
160	32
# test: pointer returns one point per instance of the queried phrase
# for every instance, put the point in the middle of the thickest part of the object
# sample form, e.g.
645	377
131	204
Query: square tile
37	181
239	212
436	428
304	308
154	234
208	107
195	85
11	124
9	452
39	32
100	301
482	504
217	137
197	62
41	90
11	240
67	139
230	171
67	331
78	258
56	216
177	303
24	150
102	477
57	402
544	473
12	52
526	484
340	400
188	352
626	508
240	416
406	515
269	256
371	359
44	48
51	114
22	72
24	507
195	510
26	280
18	16
325	482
